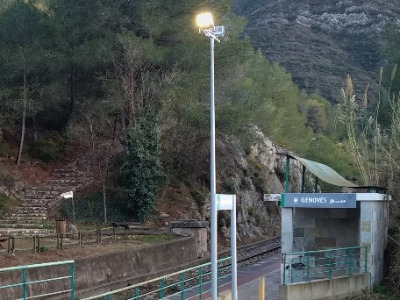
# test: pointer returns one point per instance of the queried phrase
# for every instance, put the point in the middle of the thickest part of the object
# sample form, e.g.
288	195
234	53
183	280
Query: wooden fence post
13	245
34	244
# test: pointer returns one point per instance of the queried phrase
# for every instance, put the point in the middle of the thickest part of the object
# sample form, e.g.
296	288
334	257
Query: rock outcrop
260	171
320	42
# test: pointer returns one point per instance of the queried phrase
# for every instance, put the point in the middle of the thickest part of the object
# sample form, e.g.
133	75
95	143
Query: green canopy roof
325	173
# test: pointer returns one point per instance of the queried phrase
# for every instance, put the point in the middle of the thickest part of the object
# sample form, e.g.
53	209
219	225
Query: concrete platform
249	291
247	282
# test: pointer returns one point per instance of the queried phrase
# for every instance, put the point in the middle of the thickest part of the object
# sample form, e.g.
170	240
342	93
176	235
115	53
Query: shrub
6	203
228	186
89	208
4	150
48	149
199	198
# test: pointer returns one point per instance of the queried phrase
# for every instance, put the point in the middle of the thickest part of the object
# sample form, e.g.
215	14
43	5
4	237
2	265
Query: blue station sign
318	200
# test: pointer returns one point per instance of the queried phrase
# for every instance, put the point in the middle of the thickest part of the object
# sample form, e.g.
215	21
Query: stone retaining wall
98	274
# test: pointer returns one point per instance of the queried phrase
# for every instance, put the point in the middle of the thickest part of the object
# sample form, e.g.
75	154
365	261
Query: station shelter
321	221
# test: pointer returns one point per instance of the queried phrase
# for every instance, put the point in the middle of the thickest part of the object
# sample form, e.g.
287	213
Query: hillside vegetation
137	73
319	43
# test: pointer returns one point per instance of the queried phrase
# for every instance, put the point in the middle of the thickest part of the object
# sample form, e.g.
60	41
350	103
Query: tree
317	117
142	171
84	43
25	38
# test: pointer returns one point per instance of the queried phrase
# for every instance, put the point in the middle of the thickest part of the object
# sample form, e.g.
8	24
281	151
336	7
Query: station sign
318	200
225	202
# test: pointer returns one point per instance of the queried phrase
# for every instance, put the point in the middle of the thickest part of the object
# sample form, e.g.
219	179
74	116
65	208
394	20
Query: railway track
246	255
253	253
258	249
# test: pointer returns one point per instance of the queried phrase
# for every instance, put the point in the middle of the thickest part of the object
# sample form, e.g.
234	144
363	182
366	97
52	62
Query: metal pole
213	220
233	250
261	288
316	185
287	173
73	210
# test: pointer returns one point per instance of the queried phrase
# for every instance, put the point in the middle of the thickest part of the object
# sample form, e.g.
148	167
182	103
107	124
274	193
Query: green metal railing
311	265
22	287
195	279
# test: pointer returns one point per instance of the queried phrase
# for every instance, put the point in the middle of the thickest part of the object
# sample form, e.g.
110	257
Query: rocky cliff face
320	42
260	171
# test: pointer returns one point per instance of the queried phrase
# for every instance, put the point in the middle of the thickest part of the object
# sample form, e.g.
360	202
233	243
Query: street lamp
205	22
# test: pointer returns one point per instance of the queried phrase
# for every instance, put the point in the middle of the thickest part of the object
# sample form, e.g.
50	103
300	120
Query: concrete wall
317	229
374	222
97	274
287	227
336	288
196	229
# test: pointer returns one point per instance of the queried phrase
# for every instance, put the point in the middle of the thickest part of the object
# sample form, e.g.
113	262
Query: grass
379	293
153	239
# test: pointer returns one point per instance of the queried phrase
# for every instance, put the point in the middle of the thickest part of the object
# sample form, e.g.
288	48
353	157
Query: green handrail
326	263
200	282
25	282
202	272
330	264
325	250
366	261
284	266
161	294
182	280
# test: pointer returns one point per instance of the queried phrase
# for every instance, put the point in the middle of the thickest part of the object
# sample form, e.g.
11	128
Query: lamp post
206	26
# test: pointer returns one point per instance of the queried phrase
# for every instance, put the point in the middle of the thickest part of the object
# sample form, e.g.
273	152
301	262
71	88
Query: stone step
61	188
25	219
66	175
33	202
38	196
44	192
68	171
5	224
25	231
26	215
72	181
30	209
22	221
